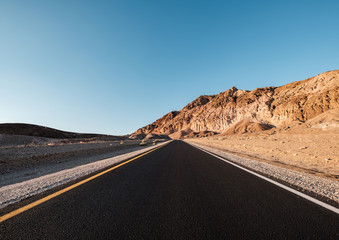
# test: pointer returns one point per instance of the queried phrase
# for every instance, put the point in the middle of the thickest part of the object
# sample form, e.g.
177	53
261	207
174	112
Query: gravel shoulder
322	188
27	182
25	157
26	163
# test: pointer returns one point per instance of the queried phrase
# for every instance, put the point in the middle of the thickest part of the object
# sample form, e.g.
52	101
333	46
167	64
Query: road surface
175	192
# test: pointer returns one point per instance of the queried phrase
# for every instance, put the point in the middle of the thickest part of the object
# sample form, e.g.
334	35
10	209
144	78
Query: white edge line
325	205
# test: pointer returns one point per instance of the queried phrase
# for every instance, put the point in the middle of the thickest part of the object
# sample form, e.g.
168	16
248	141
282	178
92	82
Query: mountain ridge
275	106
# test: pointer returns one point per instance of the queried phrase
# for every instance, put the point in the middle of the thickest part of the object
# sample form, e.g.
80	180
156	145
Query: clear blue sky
114	66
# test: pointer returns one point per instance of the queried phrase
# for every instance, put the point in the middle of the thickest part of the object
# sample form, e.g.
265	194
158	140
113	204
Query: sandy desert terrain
313	153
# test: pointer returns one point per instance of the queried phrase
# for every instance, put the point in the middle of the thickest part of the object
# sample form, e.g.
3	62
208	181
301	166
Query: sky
112	67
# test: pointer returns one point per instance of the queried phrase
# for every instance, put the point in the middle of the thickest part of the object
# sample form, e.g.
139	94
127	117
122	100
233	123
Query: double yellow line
45	199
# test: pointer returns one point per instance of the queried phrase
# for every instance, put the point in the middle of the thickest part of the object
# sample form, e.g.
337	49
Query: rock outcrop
270	106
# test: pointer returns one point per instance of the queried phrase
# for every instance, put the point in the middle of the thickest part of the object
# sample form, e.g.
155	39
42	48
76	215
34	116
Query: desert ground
27	157
313	153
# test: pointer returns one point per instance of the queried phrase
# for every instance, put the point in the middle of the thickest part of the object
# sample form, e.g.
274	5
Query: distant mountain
268	107
41	131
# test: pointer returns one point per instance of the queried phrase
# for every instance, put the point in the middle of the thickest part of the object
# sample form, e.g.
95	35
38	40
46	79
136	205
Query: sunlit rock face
277	106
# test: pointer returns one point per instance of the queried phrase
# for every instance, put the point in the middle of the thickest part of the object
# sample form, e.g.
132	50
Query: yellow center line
42	200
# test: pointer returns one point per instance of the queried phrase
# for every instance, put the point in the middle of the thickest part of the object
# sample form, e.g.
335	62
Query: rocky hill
24	129
268	107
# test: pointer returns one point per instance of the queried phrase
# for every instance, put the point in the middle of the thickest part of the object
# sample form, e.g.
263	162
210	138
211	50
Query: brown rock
251	111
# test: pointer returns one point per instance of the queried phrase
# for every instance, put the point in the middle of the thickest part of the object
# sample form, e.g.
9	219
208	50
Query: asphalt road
175	192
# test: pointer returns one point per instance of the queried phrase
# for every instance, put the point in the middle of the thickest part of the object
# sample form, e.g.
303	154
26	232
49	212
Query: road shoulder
325	190
13	193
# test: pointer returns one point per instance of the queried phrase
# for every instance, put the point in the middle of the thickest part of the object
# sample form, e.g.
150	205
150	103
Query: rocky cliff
274	106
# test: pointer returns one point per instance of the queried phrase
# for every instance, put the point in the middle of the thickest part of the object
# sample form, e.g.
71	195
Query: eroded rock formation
274	106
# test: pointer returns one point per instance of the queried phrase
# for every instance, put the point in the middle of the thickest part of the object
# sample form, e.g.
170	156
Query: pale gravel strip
54	166
320	186
16	192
